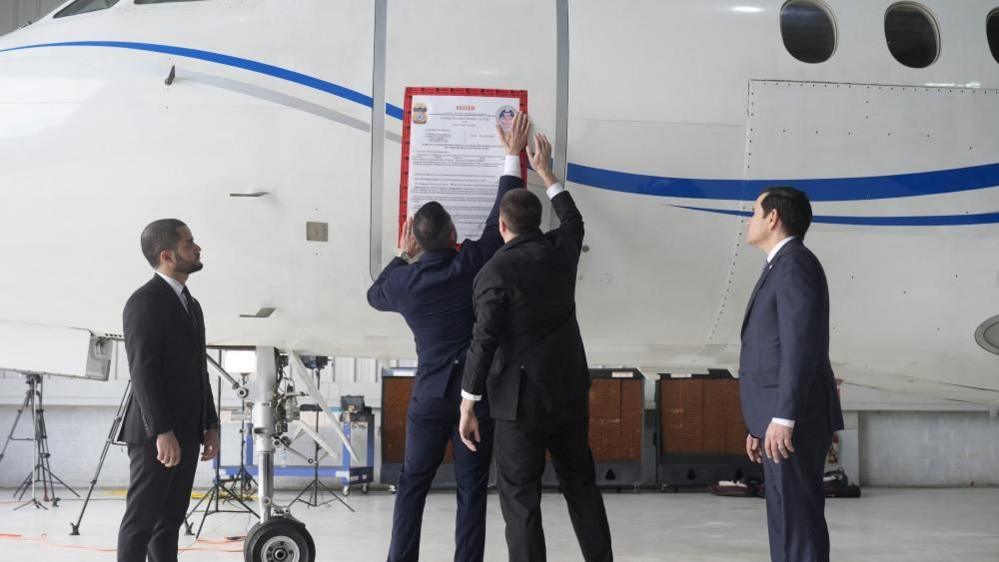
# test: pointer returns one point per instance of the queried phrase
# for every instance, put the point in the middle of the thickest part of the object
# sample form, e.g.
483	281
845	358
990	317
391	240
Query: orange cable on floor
228	544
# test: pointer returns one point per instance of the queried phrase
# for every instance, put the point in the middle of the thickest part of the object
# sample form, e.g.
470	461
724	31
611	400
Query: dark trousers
430	424
796	500
520	462
157	502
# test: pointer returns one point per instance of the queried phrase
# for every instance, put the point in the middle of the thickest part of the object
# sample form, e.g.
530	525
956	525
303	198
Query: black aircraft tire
279	540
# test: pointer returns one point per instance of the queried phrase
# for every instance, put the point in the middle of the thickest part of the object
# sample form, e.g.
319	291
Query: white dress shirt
781	244
177	287
511	166
770	258
513	169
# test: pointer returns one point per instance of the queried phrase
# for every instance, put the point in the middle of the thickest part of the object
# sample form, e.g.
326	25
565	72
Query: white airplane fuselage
677	114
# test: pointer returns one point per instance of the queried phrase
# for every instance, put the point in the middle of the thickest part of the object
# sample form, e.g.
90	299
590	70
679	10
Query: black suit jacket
434	296
525	322
784	367
166	359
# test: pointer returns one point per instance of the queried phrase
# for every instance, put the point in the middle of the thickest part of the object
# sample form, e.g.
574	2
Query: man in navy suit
434	295
788	392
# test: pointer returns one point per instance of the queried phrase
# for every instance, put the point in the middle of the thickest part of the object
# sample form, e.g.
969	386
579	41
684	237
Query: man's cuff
554	189
784	422
470	396
511	166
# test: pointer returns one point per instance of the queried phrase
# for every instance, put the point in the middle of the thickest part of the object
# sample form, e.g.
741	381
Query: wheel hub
281	549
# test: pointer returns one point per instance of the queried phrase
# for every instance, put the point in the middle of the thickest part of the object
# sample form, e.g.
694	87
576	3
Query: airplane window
912	35
992	29
808	31
84	6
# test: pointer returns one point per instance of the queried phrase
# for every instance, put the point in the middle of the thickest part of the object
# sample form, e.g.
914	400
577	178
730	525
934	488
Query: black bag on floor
742	488
837	485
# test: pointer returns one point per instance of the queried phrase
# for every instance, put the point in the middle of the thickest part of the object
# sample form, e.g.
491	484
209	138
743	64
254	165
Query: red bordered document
450	153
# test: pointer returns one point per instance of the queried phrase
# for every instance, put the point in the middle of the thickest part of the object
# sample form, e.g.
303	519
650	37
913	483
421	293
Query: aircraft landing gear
281	539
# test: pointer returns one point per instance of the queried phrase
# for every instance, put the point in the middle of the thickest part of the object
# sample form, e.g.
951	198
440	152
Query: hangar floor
886	524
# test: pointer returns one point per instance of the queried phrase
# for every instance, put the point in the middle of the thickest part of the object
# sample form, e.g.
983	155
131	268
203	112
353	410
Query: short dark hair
432	227
521	210
163	234
793	209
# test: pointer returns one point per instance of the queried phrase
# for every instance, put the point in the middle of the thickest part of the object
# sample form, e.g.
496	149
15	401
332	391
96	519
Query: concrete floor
886	524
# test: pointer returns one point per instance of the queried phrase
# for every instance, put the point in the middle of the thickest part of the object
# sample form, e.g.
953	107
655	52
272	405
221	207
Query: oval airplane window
992	30
808	31
912	35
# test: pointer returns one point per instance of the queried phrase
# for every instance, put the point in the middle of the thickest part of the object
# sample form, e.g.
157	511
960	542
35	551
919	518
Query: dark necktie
190	306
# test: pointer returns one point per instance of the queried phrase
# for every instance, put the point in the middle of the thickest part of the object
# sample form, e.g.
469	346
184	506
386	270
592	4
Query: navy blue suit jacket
784	368
434	296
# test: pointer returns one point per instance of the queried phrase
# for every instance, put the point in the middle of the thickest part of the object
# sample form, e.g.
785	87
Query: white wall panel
14	13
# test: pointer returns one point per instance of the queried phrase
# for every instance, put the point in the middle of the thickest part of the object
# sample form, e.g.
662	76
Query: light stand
41	472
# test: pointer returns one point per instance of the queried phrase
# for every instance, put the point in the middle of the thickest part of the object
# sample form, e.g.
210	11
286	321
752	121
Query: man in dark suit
170	411
434	296
788	392
527	357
